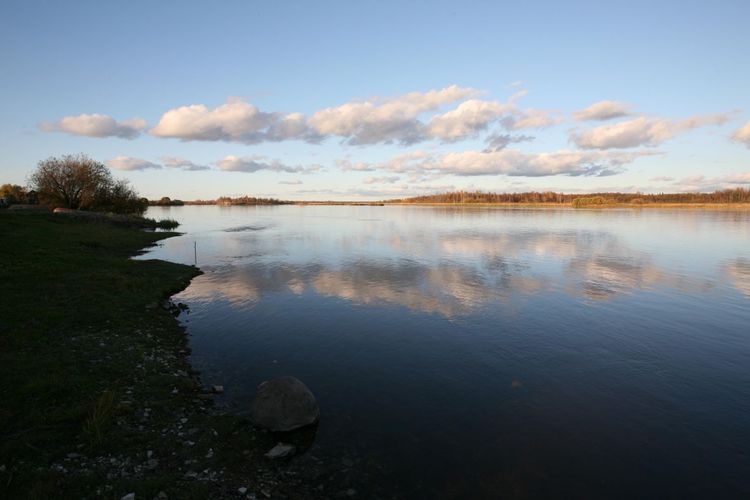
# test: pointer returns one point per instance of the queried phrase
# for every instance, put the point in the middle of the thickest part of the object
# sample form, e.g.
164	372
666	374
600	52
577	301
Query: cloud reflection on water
448	273
739	273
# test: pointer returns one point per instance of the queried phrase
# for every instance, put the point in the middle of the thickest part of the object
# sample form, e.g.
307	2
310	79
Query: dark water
485	353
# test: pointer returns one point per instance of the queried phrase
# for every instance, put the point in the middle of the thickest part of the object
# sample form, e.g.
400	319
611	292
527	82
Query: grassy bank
98	398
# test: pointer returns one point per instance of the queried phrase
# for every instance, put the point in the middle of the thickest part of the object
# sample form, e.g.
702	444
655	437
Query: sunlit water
480	353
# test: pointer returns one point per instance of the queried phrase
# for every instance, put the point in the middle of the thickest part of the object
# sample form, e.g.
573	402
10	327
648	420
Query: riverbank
702	206
99	399
695	206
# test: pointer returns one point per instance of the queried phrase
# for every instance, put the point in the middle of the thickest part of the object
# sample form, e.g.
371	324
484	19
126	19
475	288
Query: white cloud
404	119
251	164
395	191
662	178
385	120
641	131
347	165
130	163
96	125
512	163
182	163
382	180
496	142
533	118
702	183
603	110
234	121
295	182
467	120
742	135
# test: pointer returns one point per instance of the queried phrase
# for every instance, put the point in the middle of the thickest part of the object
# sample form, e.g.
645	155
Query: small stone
162	496
242	490
129	496
266	492
281	450
218	389
351	492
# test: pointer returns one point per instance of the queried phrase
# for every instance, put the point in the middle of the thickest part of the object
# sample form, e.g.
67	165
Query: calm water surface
481	353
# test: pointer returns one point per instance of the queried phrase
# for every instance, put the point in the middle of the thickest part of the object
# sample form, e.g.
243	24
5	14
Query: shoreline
100	399
681	206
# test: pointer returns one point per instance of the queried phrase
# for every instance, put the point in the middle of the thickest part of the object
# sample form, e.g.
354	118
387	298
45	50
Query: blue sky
358	100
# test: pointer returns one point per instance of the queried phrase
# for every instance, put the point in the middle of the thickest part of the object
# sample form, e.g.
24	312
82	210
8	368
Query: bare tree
72	181
79	182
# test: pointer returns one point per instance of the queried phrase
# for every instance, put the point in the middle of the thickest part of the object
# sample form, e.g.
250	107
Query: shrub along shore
99	399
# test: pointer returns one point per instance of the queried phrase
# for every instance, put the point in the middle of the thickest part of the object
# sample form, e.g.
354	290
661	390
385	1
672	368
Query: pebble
129	496
242	490
218	389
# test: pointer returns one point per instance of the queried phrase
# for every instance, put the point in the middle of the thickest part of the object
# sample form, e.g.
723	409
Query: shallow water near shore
484	352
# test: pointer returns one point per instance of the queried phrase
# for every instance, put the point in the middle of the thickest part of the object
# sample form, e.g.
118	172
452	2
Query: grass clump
99	417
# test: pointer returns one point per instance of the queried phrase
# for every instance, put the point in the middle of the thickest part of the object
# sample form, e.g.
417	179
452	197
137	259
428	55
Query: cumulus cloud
96	125
513	163
603	110
182	164
467	120
251	164
348	165
742	135
642	131
389	179
496	142
393	191
694	183
234	121
532	118
385	120
662	178
130	163
405	119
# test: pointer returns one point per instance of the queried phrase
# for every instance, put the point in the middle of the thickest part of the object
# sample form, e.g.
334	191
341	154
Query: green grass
94	373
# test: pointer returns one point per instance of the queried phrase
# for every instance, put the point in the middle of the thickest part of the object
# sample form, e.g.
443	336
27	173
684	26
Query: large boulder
284	404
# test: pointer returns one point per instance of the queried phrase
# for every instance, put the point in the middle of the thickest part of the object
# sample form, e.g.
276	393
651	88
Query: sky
376	100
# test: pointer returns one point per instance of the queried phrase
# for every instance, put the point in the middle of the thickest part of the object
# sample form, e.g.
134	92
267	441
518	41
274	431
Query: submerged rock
284	404
281	450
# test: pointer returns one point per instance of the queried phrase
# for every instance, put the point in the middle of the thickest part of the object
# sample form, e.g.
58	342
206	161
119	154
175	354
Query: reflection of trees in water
471	269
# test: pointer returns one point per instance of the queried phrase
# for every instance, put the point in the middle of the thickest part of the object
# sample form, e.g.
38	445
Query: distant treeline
166	201
738	195
250	200
224	200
